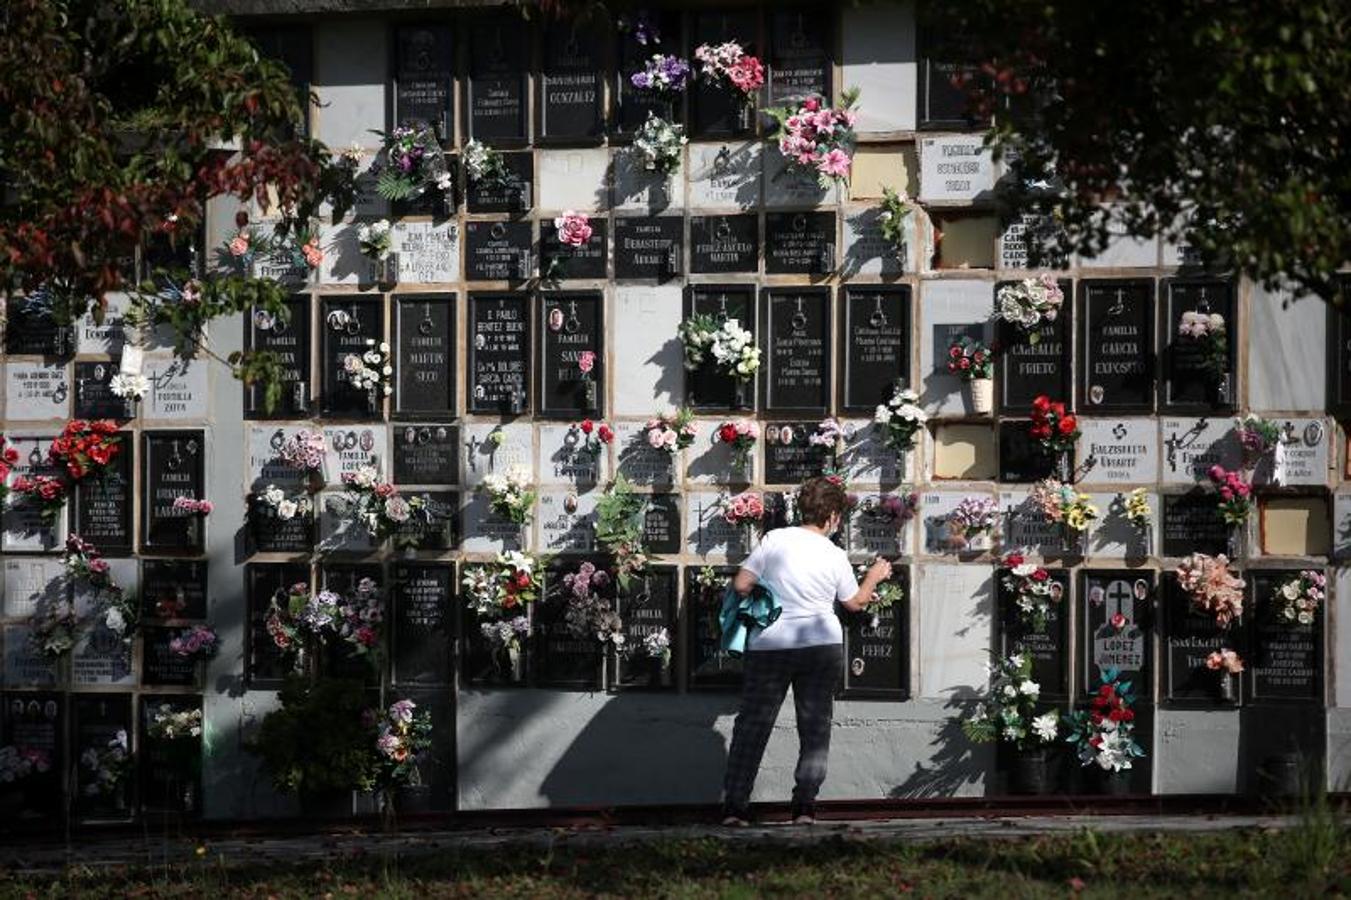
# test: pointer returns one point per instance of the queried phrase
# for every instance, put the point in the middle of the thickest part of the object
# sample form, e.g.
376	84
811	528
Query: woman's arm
877	573
743	582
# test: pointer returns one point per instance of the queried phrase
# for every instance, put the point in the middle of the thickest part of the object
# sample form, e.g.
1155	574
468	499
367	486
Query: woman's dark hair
820	498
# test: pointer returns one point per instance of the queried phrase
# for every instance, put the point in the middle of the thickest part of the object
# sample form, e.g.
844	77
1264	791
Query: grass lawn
1312	860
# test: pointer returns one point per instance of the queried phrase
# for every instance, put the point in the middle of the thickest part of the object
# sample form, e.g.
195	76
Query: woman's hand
878	572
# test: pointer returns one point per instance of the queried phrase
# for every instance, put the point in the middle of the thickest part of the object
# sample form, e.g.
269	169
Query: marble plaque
349	447
639	462
1119	451
36	391
1192	446
425	252
940	538
101	657
725	175
1028	242
490	448
486	532
567	521
708	533
25	664
178	389
564	459
955	168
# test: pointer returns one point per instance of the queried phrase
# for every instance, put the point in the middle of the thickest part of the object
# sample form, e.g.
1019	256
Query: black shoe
803	812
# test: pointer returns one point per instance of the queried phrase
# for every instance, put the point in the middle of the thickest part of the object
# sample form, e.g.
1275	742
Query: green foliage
620	517
895	208
1222	126
318	741
393	186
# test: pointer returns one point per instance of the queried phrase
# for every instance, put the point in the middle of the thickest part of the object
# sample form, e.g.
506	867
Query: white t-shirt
807	573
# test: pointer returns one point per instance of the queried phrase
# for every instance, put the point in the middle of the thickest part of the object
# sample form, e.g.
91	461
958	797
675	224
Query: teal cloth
758	609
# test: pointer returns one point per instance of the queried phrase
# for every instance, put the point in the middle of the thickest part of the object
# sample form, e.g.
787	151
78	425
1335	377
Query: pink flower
574	228
824	121
586	362
239	244
313	255
1118	621
834	164
384	490
656	437
668	439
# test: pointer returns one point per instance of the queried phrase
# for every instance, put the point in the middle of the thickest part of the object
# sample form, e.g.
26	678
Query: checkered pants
814	673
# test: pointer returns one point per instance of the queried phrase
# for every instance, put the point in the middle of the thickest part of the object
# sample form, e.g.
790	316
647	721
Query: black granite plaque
94	398
790	457
174	466
511	193
1028	369
273	534
799	57
485	664
875	345
661	527
561	658
1116	643
570	89
498	251
1189	637
709	666
423	72
942	102
662	35
103	504
876	661
724	243
424	356
799	243
1118	346
706	387
170	768
264	661
1188	382
648	608
571	336
1285	661
1021	458
98	720
795	324
499	353
495	102
173	588
31	329
649	247
347	324
424	596
1049	648
560	261
426	454
289	338
718	110
340	659
1192	524
438	529
34	721
159	664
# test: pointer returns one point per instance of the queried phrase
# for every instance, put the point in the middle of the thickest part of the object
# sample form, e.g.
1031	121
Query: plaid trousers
814	673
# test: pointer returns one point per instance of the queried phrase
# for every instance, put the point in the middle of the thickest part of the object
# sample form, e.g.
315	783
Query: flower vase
1113	783
1228	688
589	395
389	269
517	660
1063	473
1030	772
982	395
1072	541
746	117
739	391
1236	544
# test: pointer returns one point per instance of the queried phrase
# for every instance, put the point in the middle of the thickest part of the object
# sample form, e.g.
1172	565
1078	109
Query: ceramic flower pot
1030	772
981	391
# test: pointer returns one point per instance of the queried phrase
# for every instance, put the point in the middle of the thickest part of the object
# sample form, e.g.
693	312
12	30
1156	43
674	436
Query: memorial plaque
103	504
876	649
1021	458
1192	524
1121	451
795	324
799	55
660	33
661	524
423	72
511	193
942	102
498	251
706	387
174	466
1189	637
1192	446
424	603
799	243
99	719
94	398
562	658
875	337
426	454
438	530
709	666
496	86
36	390
956	168
1286	661
648	608
1190	378
347	325
425	355
1118	346
293	47
31	330
271	533
264	661
25	664
289	338
178	389
159	664
567	521
724	243
649	247
570	89
173	588
170	769
425	252
638	460
572	354
716	109
499	353
1028	369
24	529
560	261
790	457
1049	647
1111	643
33	721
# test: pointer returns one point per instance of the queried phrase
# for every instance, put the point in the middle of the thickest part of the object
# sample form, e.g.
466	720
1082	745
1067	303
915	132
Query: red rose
1040	575
1118	621
1095	717
954	351
101	454
727	433
60	447
1106	691
1041	403
1013	560
978	356
11	455
522	580
605	434
587	426
49	489
963	363
103	426
75	426
1058	409
1068	425
1115	715
509	601
1040	432
1127	715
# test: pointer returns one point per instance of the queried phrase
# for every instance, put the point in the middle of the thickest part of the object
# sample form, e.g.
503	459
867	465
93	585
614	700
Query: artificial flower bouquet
1209	334
1213	589
1026	304
1104	734
104	769
901	419
403	736
1135	507
1009	715
510	493
885	598
1259	437
817	139
411	164
973	362
658	145
1053	428
1236	502
663	75
591	437
195	643
745	508
621	516
500	595
573	228
298	617
1061	504
741	436
972	518
170	724
278	504
1033	590
1298	599
483	165
731	347
377	505
890	509
672	432
590	613
896	208
375	239
729	65
370	371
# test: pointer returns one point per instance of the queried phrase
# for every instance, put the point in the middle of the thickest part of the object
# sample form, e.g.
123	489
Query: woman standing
803	647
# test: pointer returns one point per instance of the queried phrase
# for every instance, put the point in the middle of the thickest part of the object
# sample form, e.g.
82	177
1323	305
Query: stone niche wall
483	381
